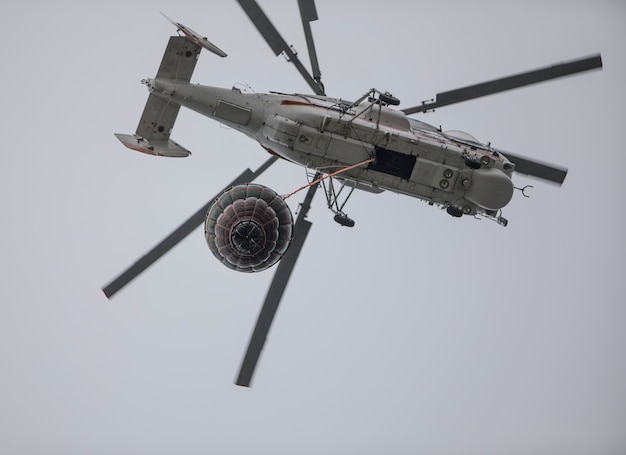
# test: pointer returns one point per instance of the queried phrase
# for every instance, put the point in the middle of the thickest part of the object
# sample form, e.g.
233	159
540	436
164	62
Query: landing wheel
455	212
472	164
344	220
389	99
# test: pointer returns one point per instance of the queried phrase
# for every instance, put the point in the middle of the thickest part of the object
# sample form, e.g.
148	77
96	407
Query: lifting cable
315	182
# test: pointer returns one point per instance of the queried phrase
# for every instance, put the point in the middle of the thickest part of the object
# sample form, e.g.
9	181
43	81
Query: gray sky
411	333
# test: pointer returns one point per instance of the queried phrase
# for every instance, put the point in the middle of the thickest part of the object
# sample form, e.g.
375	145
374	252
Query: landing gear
466	210
472	164
496	215
386	98
344	220
389	99
457	212
454	211
332	198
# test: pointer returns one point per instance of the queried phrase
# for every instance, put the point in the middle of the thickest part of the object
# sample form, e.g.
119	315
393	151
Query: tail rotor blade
179	234
275	292
509	83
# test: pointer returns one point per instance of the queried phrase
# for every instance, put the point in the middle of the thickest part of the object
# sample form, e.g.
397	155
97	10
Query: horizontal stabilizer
195	37
156	148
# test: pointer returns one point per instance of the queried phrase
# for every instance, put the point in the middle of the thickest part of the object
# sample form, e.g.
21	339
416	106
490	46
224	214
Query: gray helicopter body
326	134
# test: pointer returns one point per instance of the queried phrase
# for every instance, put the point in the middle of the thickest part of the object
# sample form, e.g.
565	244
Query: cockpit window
422	126
463	136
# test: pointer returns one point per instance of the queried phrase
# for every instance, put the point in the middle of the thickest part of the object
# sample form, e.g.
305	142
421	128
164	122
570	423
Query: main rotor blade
538	169
509	83
179	234
276	41
308	13
275	292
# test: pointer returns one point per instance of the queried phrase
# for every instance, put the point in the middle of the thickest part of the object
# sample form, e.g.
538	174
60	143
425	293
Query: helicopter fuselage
450	169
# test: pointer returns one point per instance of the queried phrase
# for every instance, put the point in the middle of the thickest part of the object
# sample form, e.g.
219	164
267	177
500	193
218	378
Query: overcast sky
412	332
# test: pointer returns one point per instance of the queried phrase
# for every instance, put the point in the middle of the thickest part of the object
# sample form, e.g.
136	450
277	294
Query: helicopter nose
491	189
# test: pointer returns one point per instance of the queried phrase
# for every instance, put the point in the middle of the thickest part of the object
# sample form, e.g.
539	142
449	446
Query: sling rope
315	182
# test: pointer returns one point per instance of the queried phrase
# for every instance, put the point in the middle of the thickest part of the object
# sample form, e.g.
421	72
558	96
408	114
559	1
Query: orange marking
371	160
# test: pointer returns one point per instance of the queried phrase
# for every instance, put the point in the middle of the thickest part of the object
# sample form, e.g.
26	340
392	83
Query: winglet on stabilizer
156	148
194	37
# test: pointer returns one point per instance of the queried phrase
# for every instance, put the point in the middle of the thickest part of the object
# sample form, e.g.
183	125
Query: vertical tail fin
156	123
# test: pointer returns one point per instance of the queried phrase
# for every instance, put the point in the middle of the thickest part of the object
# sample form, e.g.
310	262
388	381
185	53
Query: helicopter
367	145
